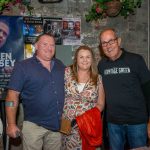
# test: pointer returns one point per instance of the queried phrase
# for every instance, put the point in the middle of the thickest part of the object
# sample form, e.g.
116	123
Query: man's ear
119	41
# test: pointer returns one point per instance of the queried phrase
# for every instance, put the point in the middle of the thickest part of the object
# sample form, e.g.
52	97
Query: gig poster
11	48
71	31
32	27
53	26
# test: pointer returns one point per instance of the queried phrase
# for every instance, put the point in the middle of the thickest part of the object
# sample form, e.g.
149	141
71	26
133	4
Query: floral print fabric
76	103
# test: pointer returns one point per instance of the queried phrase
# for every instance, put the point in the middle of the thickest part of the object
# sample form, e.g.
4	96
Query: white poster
71	31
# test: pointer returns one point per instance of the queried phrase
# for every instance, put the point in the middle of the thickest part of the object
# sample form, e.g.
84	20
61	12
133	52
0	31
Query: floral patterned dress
76	103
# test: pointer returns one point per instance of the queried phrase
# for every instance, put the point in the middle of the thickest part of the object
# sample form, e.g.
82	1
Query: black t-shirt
122	79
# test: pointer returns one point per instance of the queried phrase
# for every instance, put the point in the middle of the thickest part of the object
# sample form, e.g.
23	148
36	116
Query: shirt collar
38	61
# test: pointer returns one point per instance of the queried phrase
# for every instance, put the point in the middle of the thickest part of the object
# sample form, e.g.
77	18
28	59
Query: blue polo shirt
41	91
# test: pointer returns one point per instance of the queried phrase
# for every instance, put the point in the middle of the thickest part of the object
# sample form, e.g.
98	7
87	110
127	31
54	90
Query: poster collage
66	31
18	34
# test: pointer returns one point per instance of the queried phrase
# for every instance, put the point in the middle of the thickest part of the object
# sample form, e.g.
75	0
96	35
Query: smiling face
110	44
45	48
84	59
4	32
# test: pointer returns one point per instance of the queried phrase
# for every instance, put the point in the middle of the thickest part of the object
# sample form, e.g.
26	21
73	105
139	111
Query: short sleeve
17	78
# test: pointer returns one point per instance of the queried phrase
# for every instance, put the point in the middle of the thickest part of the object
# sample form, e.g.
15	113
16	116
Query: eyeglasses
110	42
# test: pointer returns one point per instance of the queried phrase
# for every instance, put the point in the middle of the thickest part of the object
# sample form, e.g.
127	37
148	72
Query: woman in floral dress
83	91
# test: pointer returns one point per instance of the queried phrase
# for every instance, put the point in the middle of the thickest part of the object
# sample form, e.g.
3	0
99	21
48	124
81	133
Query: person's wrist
11	124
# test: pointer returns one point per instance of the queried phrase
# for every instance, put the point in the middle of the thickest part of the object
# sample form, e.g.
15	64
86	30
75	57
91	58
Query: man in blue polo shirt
39	82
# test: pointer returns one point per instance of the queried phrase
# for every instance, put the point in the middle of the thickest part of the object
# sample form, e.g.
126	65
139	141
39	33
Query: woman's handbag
65	127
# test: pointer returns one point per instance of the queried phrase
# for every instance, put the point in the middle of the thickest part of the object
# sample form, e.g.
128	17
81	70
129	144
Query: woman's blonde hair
93	68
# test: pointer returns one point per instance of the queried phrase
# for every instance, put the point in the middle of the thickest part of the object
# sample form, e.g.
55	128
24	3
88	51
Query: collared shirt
41	91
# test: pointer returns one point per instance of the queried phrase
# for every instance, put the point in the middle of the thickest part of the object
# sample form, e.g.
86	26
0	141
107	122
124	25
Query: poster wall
66	31
11	48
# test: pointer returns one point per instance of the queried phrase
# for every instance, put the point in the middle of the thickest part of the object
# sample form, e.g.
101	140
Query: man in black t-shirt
124	75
